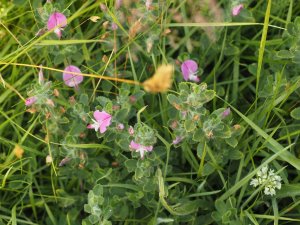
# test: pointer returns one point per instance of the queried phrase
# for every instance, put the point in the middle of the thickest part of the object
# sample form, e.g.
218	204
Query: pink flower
57	21
118	4
131	131
140	148
148	4
237	9
177	140
31	100
189	69
120	126
114	26
226	112
70	79
101	122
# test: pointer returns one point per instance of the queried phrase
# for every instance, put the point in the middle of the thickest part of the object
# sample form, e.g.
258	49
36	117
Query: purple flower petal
237	9
177	140
131	130
189	68
148	148
103	119
56	20
133	145
140	148
226	112
72	80
120	126
31	100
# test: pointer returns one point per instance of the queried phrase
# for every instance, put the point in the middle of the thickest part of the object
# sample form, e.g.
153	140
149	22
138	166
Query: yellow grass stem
82	74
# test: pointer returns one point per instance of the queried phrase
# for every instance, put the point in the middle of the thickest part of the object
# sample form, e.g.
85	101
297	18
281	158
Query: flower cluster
144	139
266	178
101	122
56	22
189	69
41	95
236	10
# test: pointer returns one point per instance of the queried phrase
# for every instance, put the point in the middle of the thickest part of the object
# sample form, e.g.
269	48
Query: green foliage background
250	63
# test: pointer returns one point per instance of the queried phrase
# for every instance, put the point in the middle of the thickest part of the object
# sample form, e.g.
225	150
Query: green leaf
208	169
284	54
235	154
93	219
232	141
198	135
221	206
84	99
288	190
174	100
272	144
189	125
122	114
131	165
295	113
98	190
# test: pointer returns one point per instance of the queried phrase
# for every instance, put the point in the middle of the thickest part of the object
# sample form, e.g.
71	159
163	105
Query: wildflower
237	126
132	99
103	7
18	151
49	159
226	112
120	126
189	69
70	79
135	29
184	113
237	9
57	21
114	26
31	100
177	140
94	18
118	4
116	107
174	124
148	4
149	44
131	130
50	102
140	148
41	76
55	92
64	161
101	122
268	179
161	81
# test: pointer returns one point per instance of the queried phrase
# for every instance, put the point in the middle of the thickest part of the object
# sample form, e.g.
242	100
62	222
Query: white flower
267	179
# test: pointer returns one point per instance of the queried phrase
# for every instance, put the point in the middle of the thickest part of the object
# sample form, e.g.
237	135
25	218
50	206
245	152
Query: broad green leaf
296	113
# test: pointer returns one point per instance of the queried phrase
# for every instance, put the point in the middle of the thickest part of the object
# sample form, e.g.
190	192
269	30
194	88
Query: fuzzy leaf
295	113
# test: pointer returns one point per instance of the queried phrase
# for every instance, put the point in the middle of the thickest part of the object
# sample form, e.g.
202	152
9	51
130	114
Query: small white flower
266	178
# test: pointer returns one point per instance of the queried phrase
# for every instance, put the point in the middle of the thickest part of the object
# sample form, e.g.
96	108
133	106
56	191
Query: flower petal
101	116
188	67
31	100
56	20
104	119
237	9
72	80
134	145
